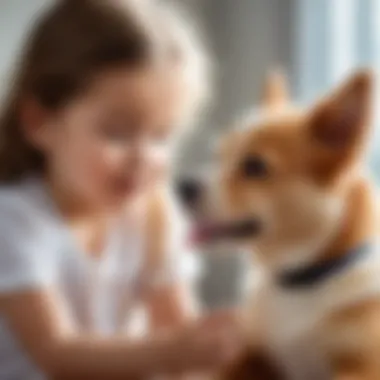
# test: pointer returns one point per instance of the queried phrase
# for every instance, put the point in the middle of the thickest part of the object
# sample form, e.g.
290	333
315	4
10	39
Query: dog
290	187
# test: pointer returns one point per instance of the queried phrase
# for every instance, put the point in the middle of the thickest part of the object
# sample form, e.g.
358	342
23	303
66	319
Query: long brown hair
71	42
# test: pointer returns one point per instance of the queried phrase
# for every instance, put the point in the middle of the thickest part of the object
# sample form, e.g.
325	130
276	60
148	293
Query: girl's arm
170	299
38	320
171	305
170	270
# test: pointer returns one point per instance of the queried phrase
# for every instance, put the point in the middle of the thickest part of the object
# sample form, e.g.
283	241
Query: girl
85	136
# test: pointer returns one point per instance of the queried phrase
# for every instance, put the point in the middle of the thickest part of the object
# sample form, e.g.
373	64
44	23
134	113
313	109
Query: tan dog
291	189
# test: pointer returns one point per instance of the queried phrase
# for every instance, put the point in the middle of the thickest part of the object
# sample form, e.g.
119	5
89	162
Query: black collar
315	273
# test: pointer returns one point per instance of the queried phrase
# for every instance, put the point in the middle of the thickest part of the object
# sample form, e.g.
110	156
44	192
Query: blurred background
316	42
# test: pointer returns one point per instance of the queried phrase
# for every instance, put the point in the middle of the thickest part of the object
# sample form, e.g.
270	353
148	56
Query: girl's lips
213	231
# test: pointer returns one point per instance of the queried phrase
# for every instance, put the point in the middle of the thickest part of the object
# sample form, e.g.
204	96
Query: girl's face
113	143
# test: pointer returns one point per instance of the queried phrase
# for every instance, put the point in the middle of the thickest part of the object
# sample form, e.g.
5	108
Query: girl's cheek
160	153
113	157
159	156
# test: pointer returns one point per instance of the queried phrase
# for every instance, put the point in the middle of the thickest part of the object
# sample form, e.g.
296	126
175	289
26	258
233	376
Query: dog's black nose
189	191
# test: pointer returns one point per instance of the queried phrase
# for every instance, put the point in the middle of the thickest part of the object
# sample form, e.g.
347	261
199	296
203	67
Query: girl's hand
210	343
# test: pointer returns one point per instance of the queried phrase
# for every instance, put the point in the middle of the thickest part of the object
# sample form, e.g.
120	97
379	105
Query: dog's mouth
210	232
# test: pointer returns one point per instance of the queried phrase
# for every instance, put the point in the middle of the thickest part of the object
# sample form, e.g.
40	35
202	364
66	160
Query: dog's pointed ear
275	90
339	126
343	118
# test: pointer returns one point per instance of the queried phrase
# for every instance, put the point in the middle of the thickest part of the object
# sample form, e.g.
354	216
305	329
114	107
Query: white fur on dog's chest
289	324
291	321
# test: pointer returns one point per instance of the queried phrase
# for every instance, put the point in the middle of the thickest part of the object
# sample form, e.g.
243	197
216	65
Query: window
333	37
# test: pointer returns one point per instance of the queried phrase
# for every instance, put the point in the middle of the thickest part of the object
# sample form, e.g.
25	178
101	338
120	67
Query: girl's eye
121	132
254	167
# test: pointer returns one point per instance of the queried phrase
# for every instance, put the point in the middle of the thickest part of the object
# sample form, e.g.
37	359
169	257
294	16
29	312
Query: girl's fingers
221	345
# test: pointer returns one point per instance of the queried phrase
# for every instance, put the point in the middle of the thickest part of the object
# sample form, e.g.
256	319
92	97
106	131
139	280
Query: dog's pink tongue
204	233
207	232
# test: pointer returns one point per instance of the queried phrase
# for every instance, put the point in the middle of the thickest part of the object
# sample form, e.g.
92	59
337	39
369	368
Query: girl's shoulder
26	237
23	204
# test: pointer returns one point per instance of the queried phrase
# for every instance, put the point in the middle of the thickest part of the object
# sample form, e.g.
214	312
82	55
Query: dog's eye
254	167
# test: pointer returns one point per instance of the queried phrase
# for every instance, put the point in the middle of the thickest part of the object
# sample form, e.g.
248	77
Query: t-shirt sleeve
24	263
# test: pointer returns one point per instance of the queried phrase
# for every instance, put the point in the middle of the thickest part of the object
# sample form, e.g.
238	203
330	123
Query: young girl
85	140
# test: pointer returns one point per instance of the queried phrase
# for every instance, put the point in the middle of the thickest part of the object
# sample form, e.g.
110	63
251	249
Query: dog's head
281	180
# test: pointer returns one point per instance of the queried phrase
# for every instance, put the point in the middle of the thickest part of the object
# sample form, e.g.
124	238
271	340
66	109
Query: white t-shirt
37	250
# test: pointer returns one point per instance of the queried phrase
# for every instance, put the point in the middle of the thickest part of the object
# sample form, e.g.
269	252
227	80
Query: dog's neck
359	222
357	227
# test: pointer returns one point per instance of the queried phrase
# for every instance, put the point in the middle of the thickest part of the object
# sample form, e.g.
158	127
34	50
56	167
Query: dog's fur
314	203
